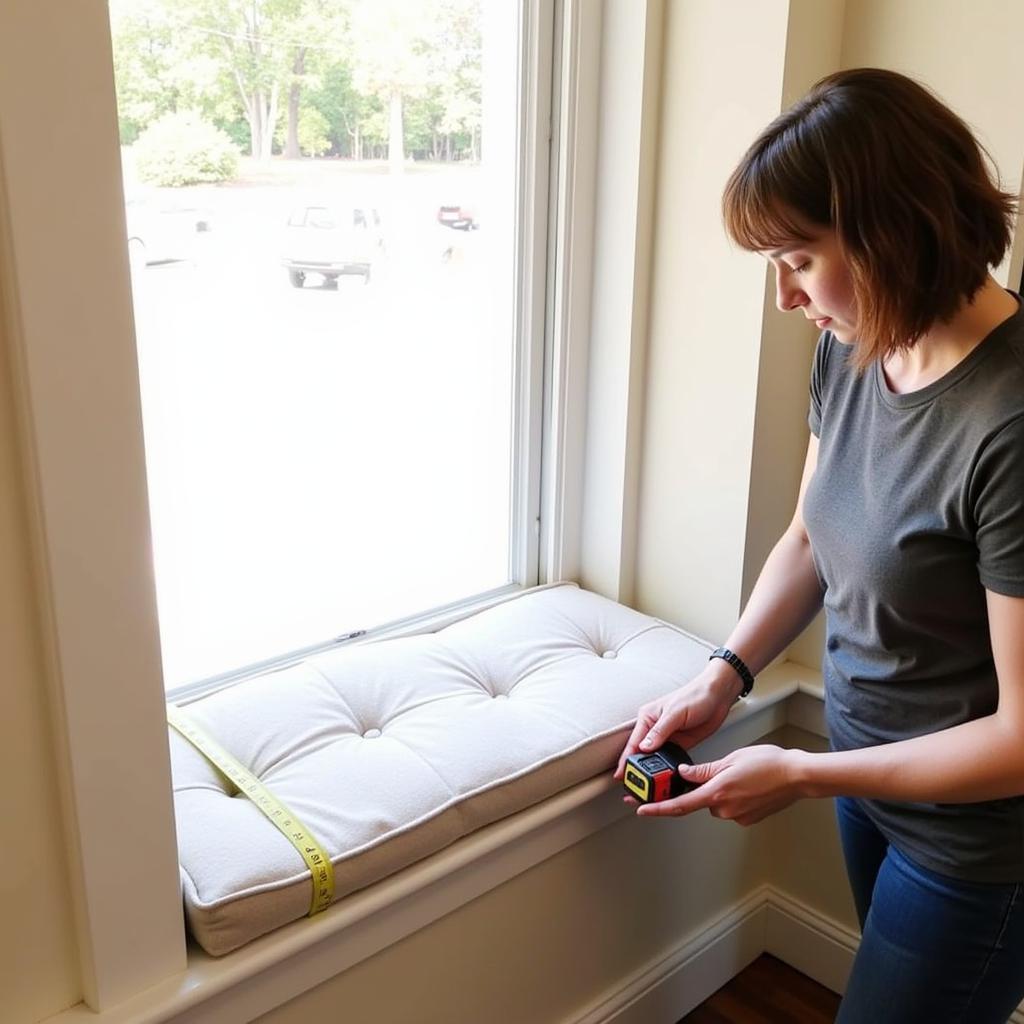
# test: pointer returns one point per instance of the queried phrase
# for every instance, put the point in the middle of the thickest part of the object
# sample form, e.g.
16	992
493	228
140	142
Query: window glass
320	199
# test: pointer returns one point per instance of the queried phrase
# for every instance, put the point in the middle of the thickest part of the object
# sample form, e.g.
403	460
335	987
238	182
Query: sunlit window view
320	207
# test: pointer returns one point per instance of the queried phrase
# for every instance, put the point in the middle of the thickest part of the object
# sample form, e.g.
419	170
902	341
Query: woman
874	205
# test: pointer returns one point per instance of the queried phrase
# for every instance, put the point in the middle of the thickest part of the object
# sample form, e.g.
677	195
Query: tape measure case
655	776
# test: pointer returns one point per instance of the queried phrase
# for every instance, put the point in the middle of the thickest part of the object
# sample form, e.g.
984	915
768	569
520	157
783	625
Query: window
328	222
73	347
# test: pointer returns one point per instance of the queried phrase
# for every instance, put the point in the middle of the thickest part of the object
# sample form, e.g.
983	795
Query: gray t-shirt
916	507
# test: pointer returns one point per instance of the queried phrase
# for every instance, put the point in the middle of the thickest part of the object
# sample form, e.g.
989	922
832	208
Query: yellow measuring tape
297	834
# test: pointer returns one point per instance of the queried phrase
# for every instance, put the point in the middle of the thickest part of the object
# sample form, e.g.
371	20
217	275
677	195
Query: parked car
460	218
332	241
162	231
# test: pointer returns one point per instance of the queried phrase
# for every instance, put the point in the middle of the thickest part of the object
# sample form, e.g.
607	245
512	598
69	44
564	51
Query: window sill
280	966
429	622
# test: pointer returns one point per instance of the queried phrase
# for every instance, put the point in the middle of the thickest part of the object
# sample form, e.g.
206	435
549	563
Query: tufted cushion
392	750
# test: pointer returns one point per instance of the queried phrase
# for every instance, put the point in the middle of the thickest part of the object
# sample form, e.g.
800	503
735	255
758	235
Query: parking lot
320	460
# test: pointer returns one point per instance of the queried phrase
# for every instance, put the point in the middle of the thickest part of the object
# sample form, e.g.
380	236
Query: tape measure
319	864
654	776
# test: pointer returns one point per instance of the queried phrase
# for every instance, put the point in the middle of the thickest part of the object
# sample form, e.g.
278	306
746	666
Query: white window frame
77	381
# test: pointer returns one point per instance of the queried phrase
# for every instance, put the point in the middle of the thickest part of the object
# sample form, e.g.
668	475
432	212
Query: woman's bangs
757	214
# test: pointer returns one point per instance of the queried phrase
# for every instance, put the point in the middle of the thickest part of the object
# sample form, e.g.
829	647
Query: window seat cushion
390	751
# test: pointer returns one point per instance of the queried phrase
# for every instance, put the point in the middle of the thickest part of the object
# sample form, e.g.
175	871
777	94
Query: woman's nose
787	296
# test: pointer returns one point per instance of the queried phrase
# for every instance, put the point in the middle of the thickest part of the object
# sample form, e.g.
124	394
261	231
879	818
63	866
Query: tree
348	112
250	37
291	145
313	135
394	75
158	69
457	71
392	61
317	33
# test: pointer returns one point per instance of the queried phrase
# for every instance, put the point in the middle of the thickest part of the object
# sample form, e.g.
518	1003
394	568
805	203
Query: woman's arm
784	600
978	760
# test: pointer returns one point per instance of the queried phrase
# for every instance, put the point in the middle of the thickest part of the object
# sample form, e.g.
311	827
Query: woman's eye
803	266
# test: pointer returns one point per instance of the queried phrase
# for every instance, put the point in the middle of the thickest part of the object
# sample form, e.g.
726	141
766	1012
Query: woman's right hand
687	715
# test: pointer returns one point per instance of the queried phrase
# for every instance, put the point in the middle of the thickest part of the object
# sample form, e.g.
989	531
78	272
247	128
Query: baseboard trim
768	920
664	990
807	940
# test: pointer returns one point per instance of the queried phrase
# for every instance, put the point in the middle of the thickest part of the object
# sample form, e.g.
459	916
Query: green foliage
375	125
183	149
236	62
313	128
341	106
128	129
314	132
158	67
237	130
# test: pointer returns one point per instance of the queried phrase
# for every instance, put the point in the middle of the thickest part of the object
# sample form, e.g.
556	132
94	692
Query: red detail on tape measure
662	784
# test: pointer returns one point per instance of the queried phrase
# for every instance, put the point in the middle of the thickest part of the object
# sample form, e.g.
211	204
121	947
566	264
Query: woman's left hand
744	786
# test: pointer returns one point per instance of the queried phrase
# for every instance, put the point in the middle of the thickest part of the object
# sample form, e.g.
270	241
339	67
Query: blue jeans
934	950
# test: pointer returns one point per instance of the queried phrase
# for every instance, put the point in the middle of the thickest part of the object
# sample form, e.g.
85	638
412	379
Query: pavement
321	460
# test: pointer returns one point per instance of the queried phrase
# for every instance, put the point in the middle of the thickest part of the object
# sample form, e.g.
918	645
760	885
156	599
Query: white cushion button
610	654
371	734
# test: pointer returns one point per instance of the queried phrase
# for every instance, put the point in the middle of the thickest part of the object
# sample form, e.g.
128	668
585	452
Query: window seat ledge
294	959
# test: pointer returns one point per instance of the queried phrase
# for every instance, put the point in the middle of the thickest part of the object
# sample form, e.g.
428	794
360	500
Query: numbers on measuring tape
320	867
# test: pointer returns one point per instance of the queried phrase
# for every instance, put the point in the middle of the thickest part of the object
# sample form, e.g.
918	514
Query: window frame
80	424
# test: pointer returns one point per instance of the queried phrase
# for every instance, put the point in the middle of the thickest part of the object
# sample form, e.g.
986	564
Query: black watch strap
738	664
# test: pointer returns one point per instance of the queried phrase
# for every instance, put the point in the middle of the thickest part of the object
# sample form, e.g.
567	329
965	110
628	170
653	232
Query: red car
461	218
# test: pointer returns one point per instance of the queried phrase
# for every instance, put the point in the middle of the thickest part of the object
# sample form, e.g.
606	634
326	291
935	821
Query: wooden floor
768	992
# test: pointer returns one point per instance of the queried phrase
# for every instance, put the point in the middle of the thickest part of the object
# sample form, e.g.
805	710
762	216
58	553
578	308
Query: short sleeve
818	383
997	494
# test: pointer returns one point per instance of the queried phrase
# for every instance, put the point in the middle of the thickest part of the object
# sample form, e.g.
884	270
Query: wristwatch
738	664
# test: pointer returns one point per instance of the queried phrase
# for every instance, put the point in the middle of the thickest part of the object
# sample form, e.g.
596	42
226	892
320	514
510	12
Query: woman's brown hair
903	182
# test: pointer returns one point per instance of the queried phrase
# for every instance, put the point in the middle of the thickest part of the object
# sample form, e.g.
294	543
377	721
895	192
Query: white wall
552	942
83	528
806	858
38	959
722	81
969	53
720	434
813	40
632	38
726	384
545	946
